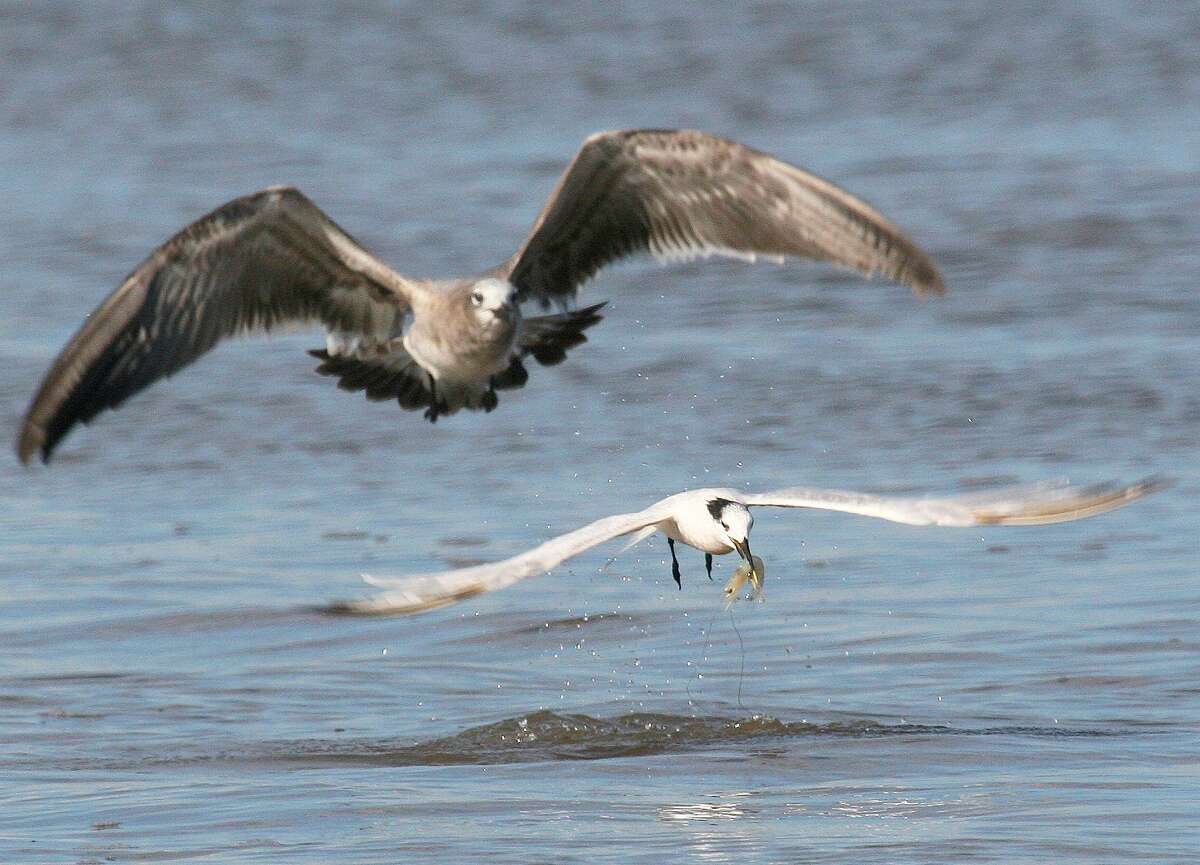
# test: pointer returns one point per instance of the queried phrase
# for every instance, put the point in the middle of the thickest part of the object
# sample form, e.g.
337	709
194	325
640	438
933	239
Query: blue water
169	689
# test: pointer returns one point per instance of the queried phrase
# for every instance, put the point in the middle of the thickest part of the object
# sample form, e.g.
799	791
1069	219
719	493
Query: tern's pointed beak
756	569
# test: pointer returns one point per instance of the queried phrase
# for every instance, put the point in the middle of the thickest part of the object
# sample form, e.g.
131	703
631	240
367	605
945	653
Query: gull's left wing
681	194
429	591
1031	505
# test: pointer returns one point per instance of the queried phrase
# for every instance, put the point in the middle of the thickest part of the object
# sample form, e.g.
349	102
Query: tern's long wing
686	194
430	591
260	260
1031	505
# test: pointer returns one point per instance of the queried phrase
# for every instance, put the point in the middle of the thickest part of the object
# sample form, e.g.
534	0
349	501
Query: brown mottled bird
274	257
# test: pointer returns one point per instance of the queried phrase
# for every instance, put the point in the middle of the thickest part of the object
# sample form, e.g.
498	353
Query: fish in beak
753	570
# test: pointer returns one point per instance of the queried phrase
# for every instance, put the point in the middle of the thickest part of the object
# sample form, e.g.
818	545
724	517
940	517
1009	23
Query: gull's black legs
708	564
675	564
431	414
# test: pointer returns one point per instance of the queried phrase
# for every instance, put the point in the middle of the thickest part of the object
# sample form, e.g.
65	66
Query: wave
549	736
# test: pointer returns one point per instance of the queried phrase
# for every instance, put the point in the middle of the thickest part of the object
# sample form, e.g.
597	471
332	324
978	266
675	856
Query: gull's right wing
254	263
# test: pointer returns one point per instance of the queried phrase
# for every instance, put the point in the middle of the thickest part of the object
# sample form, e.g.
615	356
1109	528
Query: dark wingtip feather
925	278
32	440
1149	486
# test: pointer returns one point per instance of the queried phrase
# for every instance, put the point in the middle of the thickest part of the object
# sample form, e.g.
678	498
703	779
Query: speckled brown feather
682	194
253	263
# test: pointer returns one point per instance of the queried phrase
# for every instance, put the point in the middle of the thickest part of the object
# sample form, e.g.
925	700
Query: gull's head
492	300
734	521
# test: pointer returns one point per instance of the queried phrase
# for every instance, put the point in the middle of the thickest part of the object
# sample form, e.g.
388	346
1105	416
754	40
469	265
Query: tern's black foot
675	572
490	400
708	564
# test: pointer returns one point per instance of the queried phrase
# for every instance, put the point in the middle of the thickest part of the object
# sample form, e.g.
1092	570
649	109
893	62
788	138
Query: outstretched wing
1031	505
430	591
686	194
256	262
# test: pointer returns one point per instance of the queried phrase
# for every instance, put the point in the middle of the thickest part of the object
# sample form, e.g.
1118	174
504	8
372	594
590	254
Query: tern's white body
692	522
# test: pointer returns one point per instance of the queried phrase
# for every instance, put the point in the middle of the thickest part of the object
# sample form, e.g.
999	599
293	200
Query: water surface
169	689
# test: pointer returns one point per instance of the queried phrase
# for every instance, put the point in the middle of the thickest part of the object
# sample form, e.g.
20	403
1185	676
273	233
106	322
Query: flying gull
718	521
274	258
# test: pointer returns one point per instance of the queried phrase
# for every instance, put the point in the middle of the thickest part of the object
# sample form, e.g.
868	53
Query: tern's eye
724	525
477	298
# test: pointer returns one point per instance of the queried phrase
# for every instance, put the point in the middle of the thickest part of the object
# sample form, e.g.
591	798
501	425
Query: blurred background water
169	690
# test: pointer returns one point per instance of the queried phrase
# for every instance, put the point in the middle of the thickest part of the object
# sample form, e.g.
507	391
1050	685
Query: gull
718	521
273	258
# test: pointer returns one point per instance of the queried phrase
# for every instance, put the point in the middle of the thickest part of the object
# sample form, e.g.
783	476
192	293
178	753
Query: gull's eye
477	298
724	525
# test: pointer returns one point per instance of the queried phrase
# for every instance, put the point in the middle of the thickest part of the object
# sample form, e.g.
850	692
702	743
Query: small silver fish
744	572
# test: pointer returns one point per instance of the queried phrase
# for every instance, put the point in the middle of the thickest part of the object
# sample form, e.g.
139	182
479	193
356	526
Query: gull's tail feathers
392	373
